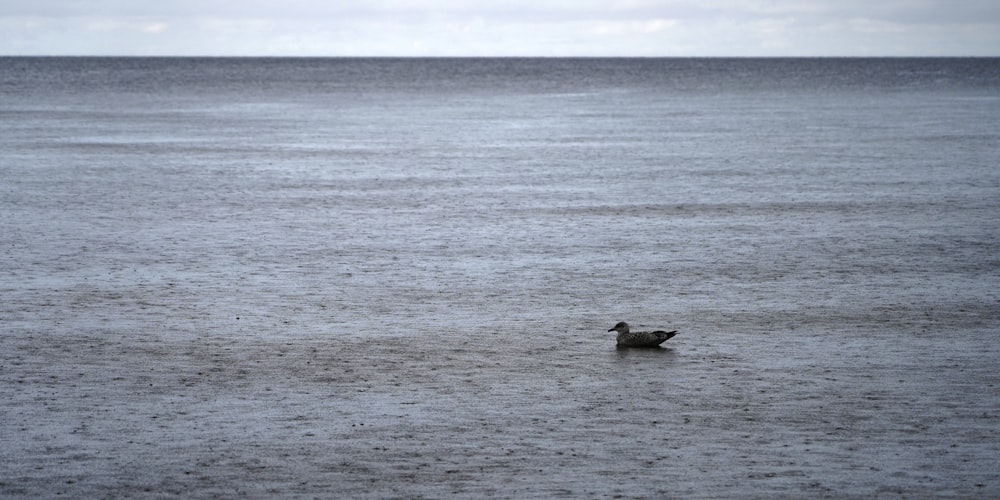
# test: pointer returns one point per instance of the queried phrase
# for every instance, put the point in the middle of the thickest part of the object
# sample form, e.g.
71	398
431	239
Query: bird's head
621	327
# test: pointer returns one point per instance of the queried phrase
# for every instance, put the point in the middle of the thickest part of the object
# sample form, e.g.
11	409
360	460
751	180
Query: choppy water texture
379	278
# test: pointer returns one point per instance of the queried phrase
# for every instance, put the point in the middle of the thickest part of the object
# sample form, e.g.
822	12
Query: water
390	195
777	211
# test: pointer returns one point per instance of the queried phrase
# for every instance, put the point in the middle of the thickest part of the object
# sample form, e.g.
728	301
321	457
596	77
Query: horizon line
210	56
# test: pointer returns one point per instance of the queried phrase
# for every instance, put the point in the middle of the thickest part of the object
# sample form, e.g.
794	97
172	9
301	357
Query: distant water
373	196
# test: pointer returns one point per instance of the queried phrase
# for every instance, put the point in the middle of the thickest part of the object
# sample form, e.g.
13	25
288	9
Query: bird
640	339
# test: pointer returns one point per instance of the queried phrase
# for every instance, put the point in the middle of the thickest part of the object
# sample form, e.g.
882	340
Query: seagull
640	339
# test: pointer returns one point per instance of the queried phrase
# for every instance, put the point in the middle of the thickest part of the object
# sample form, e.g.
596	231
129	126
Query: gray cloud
502	27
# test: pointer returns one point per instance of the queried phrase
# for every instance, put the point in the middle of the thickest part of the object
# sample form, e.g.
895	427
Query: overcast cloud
502	28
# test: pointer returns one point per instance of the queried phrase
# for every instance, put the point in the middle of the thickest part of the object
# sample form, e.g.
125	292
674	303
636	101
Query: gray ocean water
437	247
371	196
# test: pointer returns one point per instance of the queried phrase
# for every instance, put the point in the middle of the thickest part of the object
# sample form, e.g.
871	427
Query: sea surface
386	196
778	212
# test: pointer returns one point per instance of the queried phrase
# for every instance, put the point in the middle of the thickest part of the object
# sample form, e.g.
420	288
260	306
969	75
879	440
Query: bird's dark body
628	338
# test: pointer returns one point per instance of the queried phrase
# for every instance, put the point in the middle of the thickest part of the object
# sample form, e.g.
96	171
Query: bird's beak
611	330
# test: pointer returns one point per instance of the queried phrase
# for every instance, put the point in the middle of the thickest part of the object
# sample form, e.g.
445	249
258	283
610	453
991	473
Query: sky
546	28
